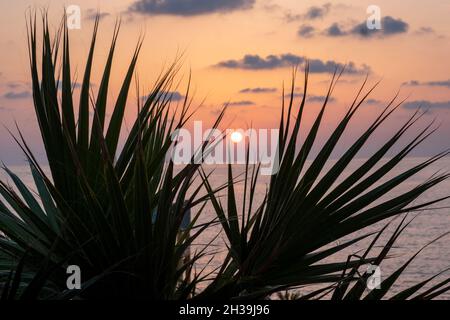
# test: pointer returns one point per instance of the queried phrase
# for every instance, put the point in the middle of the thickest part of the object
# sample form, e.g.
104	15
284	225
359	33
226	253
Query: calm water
427	226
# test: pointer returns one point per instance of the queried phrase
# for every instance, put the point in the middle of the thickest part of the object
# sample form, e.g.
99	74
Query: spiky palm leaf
97	205
285	241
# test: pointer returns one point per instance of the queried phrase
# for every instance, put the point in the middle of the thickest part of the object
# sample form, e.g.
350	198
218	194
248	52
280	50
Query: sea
427	224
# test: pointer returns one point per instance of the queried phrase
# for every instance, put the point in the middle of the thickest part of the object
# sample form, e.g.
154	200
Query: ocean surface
427	225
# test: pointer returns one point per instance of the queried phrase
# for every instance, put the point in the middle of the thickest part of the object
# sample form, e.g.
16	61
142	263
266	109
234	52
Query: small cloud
255	62
75	85
341	81
258	90
11	95
189	7
306	31
290	17
312	13
412	83
425	30
440	83
92	14
311	97
14	85
319	66
428	31
18	85
373	101
295	95
334	31
174	96
316	12
389	26
240	103
271	62
425	104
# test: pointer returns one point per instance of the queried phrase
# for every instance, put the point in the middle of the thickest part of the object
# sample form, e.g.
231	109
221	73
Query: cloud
306	31
91	14
425	104
258	90
11	95
176	96
189	7
74	85
316	12
312	13
173	95
270	62
311	97
18	85
373	101
255	62
440	83
389	26
319	66
240	103
334	31
14	85
425	30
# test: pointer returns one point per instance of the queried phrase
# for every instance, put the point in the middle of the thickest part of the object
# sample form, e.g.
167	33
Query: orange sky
413	45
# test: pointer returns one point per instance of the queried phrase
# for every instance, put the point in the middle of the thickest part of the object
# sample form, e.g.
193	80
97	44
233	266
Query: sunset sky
241	52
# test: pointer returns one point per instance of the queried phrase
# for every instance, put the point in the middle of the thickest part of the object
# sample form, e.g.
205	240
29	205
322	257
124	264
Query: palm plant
116	212
285	241
96	207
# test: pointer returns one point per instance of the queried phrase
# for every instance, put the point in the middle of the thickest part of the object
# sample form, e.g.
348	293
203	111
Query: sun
236	137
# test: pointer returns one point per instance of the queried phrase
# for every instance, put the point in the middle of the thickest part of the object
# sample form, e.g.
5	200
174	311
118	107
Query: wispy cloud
189	7
173	95
258	90
91	14
306	31
270	62
11	95
256	62
373	101
241	103
425	30
75	85
312	13
317	12
426	104
335	30
311	97
438	83
389	26
14	85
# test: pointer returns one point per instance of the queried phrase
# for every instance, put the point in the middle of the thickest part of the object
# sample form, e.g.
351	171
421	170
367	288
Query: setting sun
236	137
